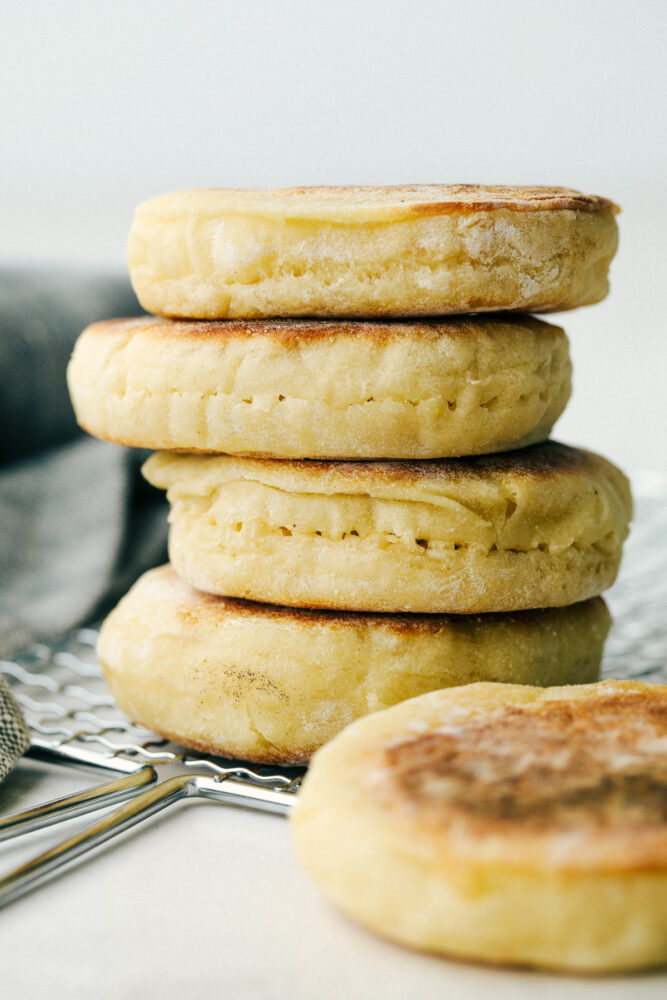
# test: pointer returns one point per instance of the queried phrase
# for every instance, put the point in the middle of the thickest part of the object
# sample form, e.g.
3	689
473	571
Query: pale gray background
105	105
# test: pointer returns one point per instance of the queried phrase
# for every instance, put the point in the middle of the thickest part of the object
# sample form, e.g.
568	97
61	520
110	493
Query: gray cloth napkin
78	524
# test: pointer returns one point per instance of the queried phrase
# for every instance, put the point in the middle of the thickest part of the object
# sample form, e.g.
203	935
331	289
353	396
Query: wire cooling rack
73	719
637	645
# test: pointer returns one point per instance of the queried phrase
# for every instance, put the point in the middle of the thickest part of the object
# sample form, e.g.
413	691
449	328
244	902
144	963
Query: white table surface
209	901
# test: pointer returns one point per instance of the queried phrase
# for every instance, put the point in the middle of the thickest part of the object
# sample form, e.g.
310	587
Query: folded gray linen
77	522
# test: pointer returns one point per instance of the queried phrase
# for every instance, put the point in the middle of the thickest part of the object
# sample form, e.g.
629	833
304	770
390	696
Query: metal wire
637	645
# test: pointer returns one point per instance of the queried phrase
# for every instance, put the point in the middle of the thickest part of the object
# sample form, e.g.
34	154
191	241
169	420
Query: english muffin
540	527
376	251
500	823
318	389
272	684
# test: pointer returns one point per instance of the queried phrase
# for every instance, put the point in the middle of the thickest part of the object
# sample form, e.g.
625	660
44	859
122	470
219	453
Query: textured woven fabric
77	522
14	736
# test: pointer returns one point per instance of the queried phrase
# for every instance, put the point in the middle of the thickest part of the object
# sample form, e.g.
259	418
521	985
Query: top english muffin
375	251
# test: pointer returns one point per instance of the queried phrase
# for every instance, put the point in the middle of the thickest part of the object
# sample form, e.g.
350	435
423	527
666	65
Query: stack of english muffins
350	406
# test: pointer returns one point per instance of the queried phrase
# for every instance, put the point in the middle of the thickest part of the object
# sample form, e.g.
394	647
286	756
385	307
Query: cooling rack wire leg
32	873
69	806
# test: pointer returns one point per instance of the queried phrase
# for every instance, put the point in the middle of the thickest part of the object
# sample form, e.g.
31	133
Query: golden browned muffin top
592	767
295	332
407	199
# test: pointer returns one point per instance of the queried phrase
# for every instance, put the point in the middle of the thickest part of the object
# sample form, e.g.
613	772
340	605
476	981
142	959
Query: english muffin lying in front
500	823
